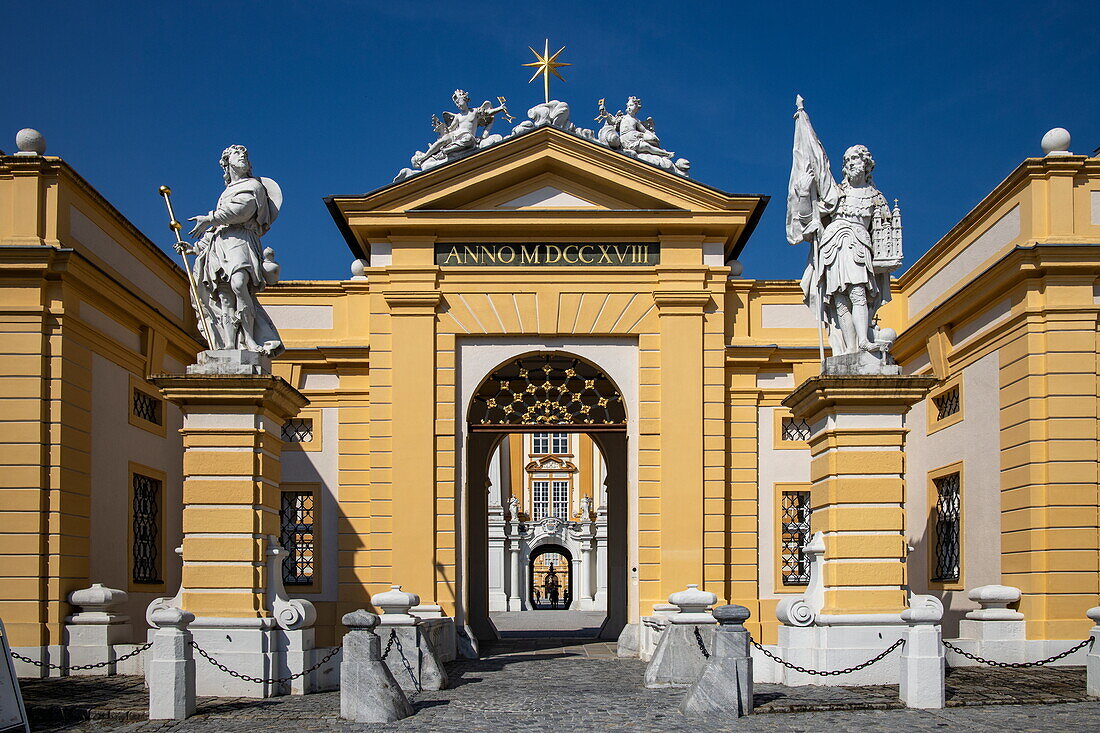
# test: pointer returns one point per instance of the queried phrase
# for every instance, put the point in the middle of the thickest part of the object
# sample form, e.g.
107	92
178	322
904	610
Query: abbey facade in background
421	457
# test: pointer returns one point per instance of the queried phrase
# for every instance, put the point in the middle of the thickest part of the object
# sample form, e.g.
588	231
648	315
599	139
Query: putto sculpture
637	138
458	133
855	244
230	266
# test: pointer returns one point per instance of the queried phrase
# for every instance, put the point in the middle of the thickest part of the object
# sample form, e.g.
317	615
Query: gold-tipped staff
181	247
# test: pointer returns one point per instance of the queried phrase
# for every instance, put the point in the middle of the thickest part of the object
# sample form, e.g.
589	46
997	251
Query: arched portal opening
550	574
546	467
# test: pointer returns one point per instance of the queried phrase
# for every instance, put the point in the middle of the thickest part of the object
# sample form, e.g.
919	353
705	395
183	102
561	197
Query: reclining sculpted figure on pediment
627	133
460	133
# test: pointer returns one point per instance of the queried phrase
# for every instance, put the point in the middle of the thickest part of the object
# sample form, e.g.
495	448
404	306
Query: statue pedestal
232	579
857	496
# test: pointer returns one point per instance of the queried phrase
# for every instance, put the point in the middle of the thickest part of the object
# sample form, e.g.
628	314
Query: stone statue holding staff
230	266
855	243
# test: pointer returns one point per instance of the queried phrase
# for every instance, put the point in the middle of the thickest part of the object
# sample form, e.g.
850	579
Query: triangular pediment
555	464
554	181
548	197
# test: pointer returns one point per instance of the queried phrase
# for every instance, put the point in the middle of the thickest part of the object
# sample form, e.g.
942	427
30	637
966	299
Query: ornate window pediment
551	463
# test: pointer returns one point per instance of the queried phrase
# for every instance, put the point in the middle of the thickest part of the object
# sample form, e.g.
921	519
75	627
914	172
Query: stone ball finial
395	600
1094	614
1056	142
692	600
358	269
731	614
361	619
30	142
736	268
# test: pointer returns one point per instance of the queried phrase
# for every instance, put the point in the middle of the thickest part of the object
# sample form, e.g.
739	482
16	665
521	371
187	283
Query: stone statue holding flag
855	243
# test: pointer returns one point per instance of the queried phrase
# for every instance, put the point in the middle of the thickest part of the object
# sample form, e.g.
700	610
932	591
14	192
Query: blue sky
333	97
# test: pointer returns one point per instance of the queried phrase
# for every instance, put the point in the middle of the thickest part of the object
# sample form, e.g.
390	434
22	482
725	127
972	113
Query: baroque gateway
546	349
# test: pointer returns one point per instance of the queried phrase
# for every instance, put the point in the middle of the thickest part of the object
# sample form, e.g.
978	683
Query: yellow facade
1006	303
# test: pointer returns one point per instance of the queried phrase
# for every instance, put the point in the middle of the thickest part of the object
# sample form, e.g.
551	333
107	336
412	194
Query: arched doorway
553	392
550	573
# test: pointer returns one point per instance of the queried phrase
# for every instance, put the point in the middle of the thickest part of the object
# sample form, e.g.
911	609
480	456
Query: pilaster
231	464
857	496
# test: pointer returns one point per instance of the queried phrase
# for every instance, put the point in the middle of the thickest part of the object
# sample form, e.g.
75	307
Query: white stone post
585	584
994	631
922	663
1092	660
412	658
368	691
725	686
170	672
90	635
677	661
515	593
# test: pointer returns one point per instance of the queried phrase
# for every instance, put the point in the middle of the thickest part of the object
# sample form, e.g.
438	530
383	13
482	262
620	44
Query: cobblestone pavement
555	685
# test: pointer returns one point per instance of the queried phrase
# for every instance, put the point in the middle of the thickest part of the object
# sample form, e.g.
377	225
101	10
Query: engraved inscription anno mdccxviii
552	254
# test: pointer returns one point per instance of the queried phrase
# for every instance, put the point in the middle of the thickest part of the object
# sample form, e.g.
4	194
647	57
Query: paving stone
565	684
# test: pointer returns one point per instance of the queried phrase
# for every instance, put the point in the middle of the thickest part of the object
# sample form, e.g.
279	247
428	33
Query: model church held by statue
546	384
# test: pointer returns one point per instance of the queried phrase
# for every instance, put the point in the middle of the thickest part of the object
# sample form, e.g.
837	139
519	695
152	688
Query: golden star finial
547	65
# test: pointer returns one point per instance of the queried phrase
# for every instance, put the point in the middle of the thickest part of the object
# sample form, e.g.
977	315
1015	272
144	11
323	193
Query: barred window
794	529
947	403
560	443
540	491
795	429
561	499
296	520
147	407
947	526
298	430
146	529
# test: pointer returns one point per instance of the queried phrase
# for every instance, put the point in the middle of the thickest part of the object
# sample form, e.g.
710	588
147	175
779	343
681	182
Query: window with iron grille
540	499
146	407
561	499
540	443
794	532
947	528
298	430
296	520
795	429
560	443
947	403
146	529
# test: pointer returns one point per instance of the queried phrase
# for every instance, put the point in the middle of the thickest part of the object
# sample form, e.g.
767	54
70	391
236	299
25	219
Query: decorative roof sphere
30	141
358	269
1056	142
736	268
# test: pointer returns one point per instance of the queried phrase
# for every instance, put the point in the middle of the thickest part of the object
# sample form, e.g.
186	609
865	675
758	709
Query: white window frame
559	443
540	444
559	498
540	507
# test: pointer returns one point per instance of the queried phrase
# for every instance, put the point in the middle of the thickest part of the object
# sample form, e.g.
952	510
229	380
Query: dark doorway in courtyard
550	584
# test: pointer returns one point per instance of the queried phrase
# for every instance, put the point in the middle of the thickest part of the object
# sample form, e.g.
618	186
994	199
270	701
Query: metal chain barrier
78	667
1016	665
260	680
832	672
702	646
404	661
393	637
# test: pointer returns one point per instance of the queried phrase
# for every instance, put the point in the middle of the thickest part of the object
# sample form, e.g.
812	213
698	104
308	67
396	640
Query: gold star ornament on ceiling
546	65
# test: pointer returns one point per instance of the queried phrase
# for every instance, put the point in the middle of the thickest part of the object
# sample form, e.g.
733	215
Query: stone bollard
677	661
412	658
1092	660
922	663
170	672
368	691
725	686
91	634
